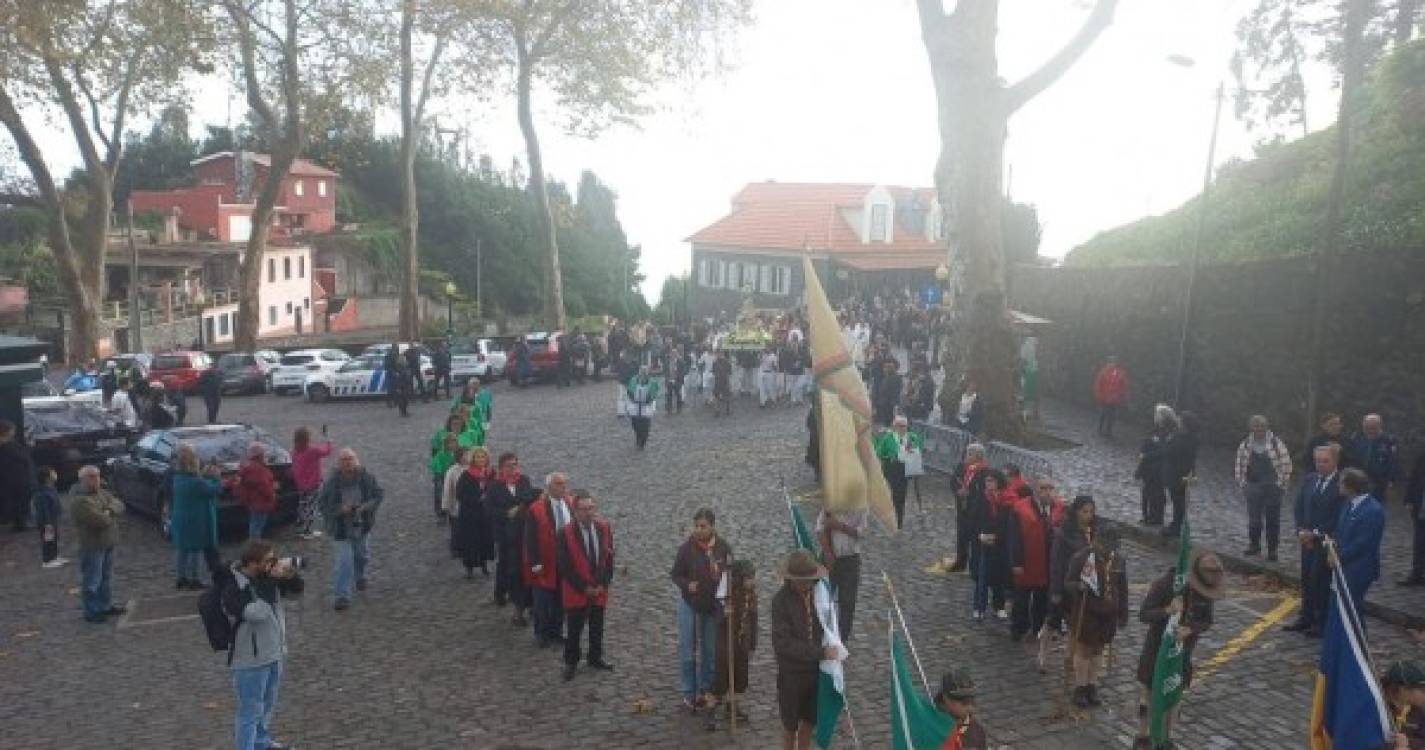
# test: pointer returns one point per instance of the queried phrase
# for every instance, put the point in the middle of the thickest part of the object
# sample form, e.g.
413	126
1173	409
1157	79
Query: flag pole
731	663
895	602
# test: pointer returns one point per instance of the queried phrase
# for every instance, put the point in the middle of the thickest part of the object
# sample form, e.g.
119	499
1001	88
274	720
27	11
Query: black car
247	372
68	434
143	477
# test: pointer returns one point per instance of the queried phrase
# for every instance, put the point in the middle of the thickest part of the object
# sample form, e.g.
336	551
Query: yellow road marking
1245	638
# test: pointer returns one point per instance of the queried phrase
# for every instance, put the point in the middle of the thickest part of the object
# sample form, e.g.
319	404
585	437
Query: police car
362	376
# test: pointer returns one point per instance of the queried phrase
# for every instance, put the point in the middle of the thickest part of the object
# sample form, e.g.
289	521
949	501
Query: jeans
351	558
548	614
846	579
307	511
256	524
185	565
988	589
577	617
96	571
256	702
1264	504
695	630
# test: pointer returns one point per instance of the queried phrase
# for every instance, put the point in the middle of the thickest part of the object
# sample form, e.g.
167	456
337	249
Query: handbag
912	459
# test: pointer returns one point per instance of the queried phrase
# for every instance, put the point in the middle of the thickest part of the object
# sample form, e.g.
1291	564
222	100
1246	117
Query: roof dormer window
879	217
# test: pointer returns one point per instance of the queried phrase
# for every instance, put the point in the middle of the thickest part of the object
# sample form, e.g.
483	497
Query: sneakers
978	615
58	562
1002	613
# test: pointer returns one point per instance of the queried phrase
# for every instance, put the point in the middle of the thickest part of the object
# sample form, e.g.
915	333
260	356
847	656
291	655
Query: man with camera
349	499
253	598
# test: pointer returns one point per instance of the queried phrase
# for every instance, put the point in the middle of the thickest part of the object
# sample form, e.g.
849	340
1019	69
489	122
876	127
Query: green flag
830	678
916	724
1167	687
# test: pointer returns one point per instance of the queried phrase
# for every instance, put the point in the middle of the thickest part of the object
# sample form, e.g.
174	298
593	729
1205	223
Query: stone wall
1250	347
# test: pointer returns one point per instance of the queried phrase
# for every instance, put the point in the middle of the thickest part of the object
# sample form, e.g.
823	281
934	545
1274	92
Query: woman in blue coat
193	517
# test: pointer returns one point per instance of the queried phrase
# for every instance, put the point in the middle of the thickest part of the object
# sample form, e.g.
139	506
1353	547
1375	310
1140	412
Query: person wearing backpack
257	651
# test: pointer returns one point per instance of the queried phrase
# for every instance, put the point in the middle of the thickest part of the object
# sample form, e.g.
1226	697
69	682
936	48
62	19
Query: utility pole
479	297
135	314
1196	254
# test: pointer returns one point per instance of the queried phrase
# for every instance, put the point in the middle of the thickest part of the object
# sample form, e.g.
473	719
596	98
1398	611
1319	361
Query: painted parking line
1233	647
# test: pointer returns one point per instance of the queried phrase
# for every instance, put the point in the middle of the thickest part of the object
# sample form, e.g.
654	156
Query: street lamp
1188	295
450	290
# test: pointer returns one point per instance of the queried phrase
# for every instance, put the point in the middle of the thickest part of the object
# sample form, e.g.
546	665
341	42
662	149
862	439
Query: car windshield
170	361
229	444
37	389
362	363
65	418
234	361
296	359
496	345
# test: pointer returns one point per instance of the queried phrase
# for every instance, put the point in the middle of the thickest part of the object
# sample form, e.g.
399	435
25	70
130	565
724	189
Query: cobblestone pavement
1216	510
422	660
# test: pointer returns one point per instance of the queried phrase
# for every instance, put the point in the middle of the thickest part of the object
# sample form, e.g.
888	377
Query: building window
287	268
299	188
223	324
776	280
878	223
749	276
711	273
307	303
289	308
734	275
322	188
271	270
301	266
272	315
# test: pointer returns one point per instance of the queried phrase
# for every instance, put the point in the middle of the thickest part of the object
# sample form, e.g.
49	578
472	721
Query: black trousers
548	614
49	548
640	430
1177	494
1264	510
1154	499
418	385
441	377
576	618
1106	415
1417	566
1031	606
846	579
964	533
895	477
509	584
1315	586
212	403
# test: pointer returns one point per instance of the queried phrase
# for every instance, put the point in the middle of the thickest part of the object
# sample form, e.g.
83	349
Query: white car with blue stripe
362	376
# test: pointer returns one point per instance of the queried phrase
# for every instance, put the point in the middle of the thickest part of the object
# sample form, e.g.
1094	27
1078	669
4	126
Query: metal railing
945	450
118	310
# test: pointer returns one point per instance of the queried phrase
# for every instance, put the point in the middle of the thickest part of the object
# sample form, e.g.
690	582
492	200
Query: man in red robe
548	515
586	567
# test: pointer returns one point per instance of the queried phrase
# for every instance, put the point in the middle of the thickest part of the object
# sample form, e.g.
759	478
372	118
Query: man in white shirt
839	534
122	406
767	378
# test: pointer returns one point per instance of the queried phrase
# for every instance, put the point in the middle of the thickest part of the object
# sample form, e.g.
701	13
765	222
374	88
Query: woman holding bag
900	452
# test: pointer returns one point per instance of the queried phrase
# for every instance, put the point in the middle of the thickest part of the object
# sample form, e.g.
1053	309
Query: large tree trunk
409	322
546	241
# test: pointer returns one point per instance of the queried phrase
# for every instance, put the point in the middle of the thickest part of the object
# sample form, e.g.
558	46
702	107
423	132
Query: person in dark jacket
1151	461
920	396
1331	433
412	356
984	513
1404	687
1207	582
1179	465
1377	454
193	516
887	393
391	363
440	363
970	415
1077	531
697	570
1415	502
738	639
1316	509
586	568
957	698
349	499
210	385
474	535
796	641
17	478
508	498
1096	591
47	511
1030	531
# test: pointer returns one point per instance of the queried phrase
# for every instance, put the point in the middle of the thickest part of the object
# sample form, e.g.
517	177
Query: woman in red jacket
1031	525
256	490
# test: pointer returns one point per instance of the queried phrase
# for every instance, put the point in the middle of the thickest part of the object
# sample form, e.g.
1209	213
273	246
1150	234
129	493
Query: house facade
289	299
858	236
219	206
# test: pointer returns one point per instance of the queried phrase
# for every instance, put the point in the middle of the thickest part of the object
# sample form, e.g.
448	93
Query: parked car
44	392
142	476
292	369
128	363
179	369
247	372
66	434
480	358
544	354
362	376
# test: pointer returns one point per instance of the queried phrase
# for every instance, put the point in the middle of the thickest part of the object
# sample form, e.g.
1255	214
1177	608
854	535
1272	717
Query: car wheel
317	393
165	517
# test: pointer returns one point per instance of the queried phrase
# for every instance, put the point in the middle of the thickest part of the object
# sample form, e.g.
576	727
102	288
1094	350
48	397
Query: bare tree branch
94	115
1055	67
431	64
556	19
115	142
70	104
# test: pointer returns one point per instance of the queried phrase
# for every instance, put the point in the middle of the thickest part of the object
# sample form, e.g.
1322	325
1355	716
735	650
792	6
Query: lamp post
450	290
1194	260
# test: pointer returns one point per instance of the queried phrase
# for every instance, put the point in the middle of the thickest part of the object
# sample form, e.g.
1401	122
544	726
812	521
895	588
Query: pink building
219	207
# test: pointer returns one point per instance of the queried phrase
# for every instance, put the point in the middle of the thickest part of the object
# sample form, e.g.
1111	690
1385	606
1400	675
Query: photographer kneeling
259	644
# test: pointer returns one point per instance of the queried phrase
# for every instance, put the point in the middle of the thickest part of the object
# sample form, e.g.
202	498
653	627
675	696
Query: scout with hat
1404	685
796	641
1207	582
957	698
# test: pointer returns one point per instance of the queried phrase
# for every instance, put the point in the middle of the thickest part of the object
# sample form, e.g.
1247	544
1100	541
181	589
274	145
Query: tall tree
98	63
599	58
974	105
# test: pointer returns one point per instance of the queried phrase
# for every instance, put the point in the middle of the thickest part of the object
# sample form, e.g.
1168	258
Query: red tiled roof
300	166
772	216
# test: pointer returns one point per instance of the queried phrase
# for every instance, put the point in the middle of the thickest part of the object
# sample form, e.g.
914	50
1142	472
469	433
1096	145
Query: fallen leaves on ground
27	634
643	706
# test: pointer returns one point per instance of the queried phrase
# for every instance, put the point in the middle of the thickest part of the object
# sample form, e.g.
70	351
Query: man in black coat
210	384
1318	503
17	477
888	393
413	365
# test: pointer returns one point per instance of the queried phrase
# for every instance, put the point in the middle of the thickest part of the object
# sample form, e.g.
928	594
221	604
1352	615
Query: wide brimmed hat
801	565
1404	673
957	685
1206	574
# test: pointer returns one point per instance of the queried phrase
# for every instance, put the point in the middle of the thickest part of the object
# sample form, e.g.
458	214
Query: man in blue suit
1359	531
1316	510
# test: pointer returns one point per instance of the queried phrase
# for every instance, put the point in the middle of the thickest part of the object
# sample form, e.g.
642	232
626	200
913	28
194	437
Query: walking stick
919	503
1073	648
731	668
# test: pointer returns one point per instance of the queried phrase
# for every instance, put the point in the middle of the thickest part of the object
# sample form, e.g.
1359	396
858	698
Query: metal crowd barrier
945	449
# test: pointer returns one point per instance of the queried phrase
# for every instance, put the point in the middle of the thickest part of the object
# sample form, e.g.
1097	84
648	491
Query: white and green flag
831	679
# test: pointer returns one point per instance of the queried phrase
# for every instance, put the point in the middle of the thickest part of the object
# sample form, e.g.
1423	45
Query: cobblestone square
424	660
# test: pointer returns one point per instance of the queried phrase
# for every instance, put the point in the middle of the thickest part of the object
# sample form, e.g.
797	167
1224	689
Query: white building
284	295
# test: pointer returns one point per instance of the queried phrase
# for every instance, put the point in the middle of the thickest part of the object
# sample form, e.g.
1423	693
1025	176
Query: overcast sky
839	91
